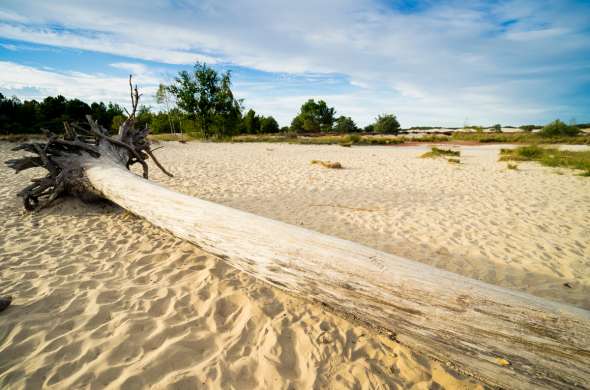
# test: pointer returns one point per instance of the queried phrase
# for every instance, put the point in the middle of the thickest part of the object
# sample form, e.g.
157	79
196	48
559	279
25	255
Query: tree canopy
30	116
345	124
386	124
314	117
206	96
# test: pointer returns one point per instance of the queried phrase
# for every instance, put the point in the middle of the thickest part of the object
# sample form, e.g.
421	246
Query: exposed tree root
62	157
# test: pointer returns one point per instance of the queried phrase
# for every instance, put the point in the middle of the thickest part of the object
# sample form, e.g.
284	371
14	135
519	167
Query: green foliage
268	125
559	128
257	124
511	166
314	117
523	153
550	157
369	128
251	123
454	161
530	128
386	124
206	97
436	152
497	128
478	129
117	122
521	137
345	124
30	116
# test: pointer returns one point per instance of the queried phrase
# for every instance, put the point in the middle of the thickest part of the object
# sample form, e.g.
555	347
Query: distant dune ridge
103	298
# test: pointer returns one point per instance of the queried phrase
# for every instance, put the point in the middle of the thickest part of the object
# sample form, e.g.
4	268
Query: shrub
549	157
530	128
436	152
386	124
557	128
345	124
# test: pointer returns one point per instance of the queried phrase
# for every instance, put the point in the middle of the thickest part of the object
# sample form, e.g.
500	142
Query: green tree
206	97
497	128
117	122
269	125
386	124
77	110
228	109
345	124
163	98
314	117
251	122
143	117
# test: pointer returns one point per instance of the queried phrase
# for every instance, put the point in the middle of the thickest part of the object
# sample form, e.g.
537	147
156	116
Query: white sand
527	229
102	299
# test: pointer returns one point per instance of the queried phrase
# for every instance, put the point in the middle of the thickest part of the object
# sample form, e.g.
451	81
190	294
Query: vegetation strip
550	157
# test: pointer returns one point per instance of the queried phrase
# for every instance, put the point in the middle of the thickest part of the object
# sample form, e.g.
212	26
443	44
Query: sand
104	300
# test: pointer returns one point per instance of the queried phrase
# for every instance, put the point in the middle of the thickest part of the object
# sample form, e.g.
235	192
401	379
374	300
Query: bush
345	124
436	152
269	125
387	124
557	128
549	157
530	128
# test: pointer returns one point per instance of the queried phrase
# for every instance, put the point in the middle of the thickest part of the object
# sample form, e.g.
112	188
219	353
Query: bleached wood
454	319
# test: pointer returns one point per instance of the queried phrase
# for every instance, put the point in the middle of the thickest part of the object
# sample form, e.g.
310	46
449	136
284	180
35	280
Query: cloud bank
444	63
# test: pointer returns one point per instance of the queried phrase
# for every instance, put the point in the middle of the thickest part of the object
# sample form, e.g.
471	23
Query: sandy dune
527	229
102	299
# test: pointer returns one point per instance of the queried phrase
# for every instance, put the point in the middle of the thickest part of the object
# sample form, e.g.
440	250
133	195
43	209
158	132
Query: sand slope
104	300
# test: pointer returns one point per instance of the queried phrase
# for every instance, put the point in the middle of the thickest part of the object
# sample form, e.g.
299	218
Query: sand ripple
104	300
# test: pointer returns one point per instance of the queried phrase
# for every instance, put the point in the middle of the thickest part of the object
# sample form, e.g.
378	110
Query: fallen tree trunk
506	338
503	337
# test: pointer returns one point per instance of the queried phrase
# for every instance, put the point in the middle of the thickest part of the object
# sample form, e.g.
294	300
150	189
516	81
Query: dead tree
64	157
503	337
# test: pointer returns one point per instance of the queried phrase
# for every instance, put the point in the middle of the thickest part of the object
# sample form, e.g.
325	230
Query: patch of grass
328	164
523	153
550	157
512	166
522	138
454	161
21	137
174	137
437	152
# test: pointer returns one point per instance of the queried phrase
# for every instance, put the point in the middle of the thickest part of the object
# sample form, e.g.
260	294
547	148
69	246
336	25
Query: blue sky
445	63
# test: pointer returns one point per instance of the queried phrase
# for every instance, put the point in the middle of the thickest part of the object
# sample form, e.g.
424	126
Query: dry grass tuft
436	152
327	164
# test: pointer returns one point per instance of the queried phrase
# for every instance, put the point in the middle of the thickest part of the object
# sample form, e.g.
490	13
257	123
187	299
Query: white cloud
135	69
450	61
32	83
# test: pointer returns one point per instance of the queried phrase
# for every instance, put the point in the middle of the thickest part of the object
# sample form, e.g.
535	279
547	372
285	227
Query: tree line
200	101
